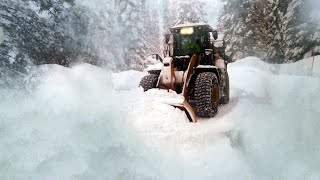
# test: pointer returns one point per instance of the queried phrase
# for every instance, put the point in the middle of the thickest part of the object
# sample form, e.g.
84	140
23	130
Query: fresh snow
1	35
87	123
190	24
157	66
126	80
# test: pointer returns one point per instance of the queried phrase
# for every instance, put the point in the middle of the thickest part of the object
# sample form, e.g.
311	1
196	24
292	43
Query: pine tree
132	17
239	34
301	35
190	12
274	30
177	12
32	37
152	32
180	12
169	14
276	11
62	32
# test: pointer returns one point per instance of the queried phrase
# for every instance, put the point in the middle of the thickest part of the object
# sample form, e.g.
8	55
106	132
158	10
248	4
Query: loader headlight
187	30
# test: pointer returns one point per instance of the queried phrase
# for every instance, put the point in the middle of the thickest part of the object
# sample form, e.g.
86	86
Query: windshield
189	44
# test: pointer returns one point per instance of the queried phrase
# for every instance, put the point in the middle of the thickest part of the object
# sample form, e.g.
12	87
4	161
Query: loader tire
206	94
149	82
226	91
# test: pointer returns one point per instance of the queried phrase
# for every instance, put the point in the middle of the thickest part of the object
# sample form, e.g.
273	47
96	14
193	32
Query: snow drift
87	123
279	118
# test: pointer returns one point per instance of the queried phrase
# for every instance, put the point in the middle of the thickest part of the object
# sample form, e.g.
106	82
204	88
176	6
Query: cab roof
203	26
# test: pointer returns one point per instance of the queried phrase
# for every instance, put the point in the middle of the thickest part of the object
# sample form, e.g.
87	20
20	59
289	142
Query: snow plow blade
183	105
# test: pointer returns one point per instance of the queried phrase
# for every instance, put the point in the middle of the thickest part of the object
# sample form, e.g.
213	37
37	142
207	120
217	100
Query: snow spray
1	36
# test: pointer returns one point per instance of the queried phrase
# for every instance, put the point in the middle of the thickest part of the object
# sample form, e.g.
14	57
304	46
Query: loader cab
188	40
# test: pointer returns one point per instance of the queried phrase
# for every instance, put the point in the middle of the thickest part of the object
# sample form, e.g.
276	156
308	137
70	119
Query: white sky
212	9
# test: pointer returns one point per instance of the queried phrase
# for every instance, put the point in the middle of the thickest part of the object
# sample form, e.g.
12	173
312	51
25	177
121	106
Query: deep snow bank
278	117
70	125
273	111
86	123
126	80
305	67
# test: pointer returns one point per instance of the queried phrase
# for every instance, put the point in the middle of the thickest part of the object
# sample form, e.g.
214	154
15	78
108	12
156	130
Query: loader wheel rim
215	95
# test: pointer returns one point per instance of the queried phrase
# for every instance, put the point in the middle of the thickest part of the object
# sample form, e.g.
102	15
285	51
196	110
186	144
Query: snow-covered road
86	123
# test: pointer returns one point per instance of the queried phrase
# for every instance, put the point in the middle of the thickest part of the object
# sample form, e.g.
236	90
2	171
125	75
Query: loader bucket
183	105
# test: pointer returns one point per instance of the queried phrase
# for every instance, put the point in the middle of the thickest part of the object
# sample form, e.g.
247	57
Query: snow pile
157	66
300	68
87	123
274	120
9	78
303	67
251	63
188	151
126	80
277	116
71	126
150	60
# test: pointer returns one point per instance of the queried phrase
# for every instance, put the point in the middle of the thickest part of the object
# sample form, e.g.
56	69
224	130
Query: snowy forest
64	31
278	31
120	34
82	95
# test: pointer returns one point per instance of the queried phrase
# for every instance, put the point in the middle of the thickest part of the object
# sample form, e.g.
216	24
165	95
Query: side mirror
167	38
215	35
156	57
166	53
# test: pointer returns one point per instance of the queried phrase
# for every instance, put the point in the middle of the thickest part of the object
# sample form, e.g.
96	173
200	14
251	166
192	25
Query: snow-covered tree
301	34
168	16
177	12
275	13
190	11
63	32
152	33
241	27
33	32
132	20
180	12
274	30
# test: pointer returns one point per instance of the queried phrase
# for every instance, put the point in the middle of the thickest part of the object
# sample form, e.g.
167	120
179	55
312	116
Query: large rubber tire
226	91
149	82
206	94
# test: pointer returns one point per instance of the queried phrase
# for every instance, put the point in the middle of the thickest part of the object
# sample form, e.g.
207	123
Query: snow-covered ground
87	123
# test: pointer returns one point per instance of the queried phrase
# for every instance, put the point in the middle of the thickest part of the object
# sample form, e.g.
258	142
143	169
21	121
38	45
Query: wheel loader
195	67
